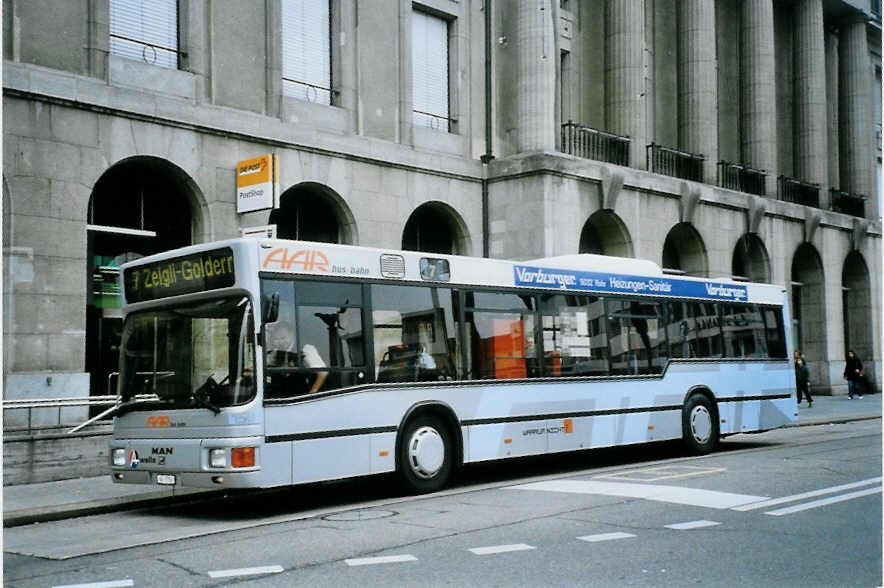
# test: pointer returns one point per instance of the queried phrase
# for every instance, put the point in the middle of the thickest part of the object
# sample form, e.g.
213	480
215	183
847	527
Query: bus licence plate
166	479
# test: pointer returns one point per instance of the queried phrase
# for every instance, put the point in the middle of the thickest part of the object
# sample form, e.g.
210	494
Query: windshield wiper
120	408
202	394
202	401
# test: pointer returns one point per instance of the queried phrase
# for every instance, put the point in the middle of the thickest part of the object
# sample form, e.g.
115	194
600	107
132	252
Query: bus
253	363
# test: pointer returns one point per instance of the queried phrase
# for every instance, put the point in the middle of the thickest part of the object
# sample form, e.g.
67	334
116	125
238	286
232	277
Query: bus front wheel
425	454
699	424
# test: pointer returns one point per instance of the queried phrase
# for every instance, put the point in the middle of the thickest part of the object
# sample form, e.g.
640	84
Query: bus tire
426	454
699	424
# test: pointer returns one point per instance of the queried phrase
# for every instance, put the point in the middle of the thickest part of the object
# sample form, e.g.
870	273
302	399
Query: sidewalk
49	501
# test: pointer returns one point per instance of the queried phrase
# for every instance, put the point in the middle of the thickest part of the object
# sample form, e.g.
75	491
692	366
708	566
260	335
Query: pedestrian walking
802	381
853	373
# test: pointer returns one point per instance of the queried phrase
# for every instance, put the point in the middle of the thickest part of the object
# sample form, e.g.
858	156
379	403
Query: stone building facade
713	137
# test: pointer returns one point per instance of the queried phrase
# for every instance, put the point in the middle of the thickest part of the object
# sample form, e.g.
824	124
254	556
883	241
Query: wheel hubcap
701	424
426	452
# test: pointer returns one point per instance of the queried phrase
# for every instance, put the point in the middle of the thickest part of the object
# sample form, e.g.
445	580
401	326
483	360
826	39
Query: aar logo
304	259
159	420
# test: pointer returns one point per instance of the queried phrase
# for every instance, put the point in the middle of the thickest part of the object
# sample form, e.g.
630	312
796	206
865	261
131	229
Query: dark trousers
804	389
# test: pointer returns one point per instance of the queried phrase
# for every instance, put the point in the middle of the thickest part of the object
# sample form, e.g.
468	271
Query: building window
146	30
429	40
306	50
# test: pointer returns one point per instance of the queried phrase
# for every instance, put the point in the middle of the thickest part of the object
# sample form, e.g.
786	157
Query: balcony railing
848	203
590	143
792	190
672	162
742	178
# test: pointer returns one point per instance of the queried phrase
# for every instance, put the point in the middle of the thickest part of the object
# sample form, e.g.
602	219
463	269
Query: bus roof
586	273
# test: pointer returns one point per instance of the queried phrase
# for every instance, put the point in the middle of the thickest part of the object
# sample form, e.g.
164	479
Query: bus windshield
194	355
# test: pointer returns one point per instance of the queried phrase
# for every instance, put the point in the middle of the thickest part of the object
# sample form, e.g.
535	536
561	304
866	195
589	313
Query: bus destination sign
199	272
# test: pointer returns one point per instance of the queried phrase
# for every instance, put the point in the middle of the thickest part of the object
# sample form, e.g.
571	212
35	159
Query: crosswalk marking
494	549
658	492
691	525
803	495
110	584
370	561
605	537
245	572
824	502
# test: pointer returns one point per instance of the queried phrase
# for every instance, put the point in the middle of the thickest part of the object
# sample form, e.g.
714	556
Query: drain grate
360	515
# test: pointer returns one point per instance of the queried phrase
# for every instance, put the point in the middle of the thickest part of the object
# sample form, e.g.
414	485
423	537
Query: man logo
157	421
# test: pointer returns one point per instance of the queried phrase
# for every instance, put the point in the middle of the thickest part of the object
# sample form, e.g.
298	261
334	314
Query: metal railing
675	163
589	143
847	203
46	404
792	190
31	404
742	178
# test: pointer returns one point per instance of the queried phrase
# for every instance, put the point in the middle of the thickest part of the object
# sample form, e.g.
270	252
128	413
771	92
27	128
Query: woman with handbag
853	372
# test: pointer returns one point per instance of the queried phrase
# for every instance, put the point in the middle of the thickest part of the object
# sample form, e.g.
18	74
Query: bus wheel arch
428	447
700	424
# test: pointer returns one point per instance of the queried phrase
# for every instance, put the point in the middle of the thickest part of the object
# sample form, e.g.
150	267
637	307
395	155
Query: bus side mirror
271	309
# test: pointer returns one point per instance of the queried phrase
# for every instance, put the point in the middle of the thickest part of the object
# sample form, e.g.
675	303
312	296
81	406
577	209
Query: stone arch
809	309
139	206
311	211
856	298
750	260
436	227
604	233
684	251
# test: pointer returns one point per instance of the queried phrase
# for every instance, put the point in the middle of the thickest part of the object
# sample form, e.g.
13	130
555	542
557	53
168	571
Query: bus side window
500	334
637	337
572	333
413	332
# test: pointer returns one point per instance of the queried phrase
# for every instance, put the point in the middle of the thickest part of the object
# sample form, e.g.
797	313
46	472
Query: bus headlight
119	456
218	458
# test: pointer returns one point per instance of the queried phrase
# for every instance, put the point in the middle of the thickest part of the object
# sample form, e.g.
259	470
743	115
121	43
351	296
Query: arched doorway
856	298
750	260
809	309
140	206
605	234
435	227
313	212
684	251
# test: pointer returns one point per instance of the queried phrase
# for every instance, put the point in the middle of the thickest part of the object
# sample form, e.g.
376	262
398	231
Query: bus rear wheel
699	425
425	454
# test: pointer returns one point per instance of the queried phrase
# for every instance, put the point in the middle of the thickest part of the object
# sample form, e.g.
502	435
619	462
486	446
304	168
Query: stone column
698	83
759	137
625	91
856	128
834	167
811	152
536	74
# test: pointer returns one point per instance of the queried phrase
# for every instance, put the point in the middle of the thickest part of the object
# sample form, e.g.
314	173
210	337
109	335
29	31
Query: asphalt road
793	507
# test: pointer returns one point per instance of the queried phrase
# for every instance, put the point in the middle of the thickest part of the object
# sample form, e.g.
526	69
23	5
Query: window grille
430	71
306	50
146	30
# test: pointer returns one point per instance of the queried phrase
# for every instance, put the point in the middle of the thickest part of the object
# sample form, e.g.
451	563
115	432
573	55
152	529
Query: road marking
691	525
605	537
661	493
662	473
501	549
370	561
824	502
246	572
803	495
111	584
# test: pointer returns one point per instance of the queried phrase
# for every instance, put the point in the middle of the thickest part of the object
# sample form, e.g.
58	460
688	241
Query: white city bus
257	363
